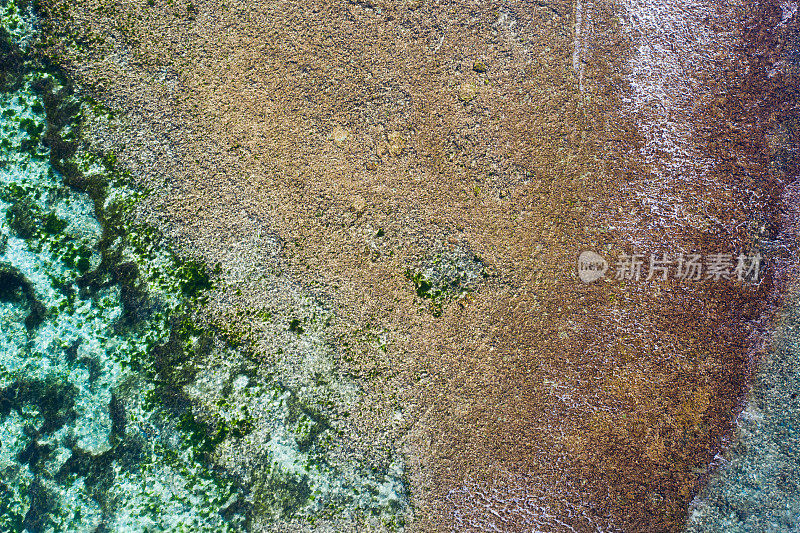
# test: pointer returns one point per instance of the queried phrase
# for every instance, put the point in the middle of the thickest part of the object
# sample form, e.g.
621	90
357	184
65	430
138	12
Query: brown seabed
369	135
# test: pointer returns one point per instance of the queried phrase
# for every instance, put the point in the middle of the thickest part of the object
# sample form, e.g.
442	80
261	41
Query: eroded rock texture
349	144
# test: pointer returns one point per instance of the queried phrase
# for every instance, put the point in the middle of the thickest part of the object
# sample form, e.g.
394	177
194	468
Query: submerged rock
447	275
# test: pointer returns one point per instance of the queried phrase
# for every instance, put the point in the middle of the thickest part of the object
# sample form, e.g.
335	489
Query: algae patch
445	276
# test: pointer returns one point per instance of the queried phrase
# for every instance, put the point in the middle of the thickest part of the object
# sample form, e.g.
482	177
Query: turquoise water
757	486
78	447
118	411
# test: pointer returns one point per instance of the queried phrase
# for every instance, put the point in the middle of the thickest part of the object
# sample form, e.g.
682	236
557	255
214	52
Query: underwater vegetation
120	409
446	276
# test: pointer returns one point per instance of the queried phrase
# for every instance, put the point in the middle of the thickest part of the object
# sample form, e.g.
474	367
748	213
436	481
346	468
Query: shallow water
73	455
117	410
757	484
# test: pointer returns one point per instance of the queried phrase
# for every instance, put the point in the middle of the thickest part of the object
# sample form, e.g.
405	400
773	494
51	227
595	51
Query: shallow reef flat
121	409
311	266
755	486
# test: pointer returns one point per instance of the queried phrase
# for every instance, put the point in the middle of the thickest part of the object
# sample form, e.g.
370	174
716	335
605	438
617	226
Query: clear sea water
72	456
117	411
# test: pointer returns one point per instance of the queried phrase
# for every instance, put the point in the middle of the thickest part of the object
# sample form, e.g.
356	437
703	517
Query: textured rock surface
524	132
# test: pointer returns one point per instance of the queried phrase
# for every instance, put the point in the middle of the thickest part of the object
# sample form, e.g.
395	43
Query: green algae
446	276
194	278
129	412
